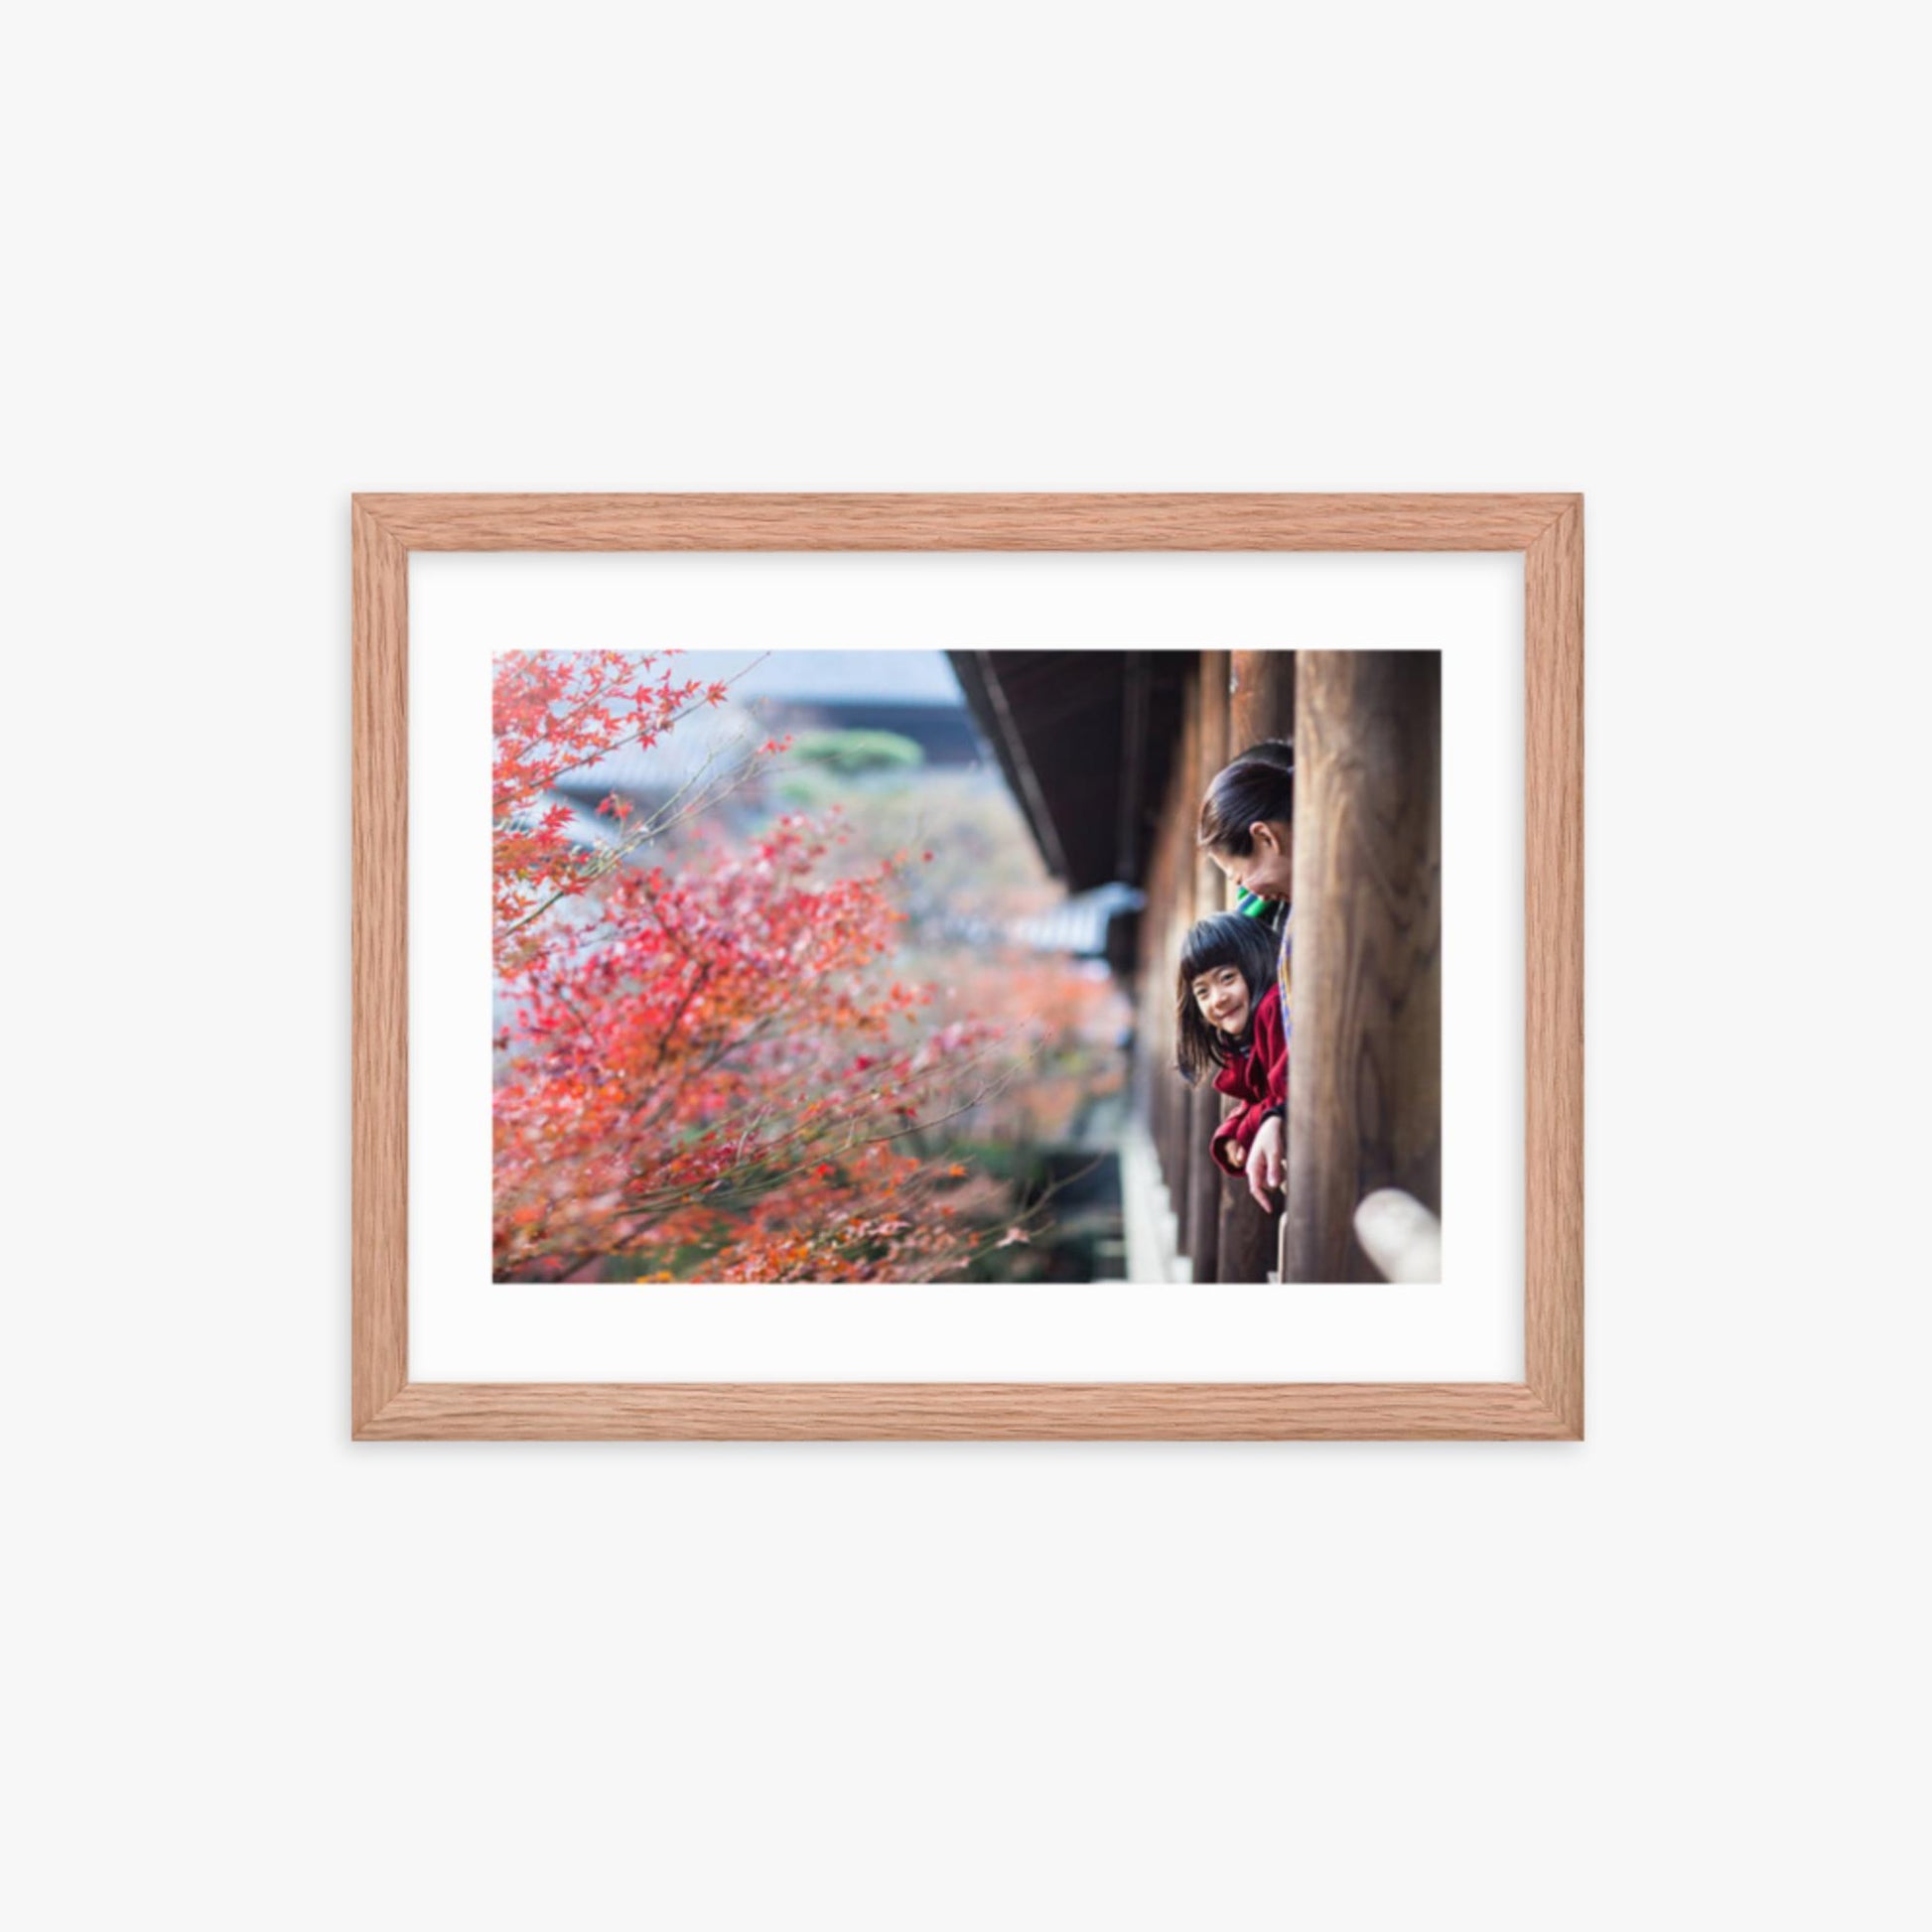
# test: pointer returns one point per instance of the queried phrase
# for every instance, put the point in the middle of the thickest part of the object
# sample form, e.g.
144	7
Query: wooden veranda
1107	754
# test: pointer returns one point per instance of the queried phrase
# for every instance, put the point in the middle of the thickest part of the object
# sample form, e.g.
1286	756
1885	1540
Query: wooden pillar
1186	768
1261	704
1175	923
1204	1177
1365	1078
1155	1047
1261	698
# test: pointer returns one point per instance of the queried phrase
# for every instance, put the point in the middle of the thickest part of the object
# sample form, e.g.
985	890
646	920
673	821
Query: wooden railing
1400	1236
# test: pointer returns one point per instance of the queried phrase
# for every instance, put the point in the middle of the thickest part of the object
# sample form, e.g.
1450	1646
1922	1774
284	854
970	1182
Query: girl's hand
1264	1164
1236	1154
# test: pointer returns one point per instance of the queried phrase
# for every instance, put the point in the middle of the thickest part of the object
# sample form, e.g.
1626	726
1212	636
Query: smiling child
1228	1019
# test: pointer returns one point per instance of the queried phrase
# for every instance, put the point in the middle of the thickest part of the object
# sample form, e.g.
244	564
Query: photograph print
1005	966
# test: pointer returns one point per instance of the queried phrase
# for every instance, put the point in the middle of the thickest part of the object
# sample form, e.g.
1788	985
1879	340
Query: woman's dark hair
1258	786
1271	751
1225	939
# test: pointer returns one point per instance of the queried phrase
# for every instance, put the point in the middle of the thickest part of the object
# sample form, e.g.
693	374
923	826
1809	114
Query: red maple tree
714	1075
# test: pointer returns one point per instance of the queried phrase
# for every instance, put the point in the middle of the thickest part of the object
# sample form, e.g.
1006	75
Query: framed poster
968	966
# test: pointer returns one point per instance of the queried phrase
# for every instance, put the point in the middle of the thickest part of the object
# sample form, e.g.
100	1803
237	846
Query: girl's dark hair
1258	786
1225	939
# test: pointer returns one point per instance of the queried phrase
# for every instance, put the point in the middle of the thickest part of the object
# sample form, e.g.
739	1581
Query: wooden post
1261	698
1365	1082
1154	1041
1261	704
1204	1177
1186	761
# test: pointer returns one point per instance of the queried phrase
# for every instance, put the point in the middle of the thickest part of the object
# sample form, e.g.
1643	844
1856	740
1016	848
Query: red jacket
1258	1076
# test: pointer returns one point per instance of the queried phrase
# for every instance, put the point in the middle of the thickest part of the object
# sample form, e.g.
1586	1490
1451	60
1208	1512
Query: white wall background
261	258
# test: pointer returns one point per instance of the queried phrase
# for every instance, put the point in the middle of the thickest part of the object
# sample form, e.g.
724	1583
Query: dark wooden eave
1086	740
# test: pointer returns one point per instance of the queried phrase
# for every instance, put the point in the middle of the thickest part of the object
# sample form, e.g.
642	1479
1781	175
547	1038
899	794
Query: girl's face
1223	997
1269	870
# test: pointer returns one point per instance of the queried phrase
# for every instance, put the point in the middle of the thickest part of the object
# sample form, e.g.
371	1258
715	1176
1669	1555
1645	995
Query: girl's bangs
1204	952
1228	939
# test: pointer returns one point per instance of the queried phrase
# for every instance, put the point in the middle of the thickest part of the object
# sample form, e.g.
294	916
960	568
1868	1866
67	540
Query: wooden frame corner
1547	1406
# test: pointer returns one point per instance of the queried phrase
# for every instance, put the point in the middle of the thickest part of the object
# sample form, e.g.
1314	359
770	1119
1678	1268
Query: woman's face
1269	870
1222	994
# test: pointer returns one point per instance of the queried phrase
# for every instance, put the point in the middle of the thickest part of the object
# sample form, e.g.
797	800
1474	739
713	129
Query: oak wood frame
1548	1405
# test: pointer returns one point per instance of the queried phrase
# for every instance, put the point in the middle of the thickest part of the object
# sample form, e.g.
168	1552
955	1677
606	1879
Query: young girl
1228	1022
1247	827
